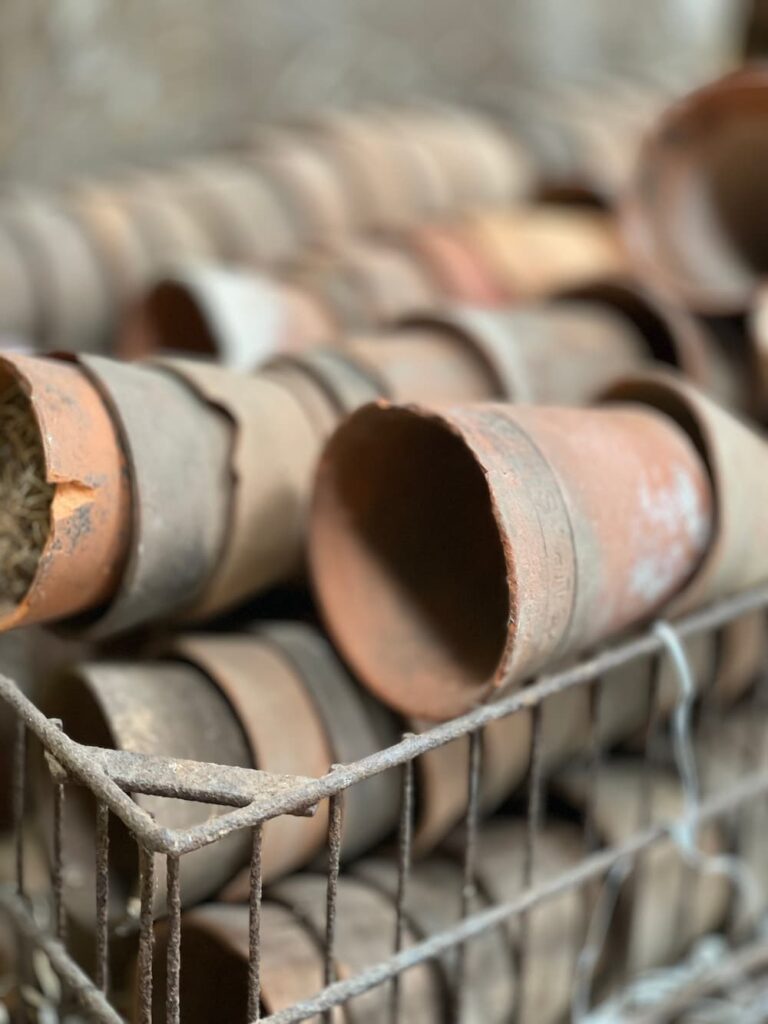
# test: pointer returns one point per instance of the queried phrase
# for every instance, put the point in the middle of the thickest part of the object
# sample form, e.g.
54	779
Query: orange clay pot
90	518
459	269
564	525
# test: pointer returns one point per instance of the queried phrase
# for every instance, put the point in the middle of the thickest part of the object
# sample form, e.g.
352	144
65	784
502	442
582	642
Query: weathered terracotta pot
422	169
90	522
561	353
458	268
365	931
269	466
673	336
431	363
70	288
240	211
215	945
734	454
693	219
122	252
169	231
432	904
176	542
645	932
356	726
538	250
285	734
20	315
556	927
236	316
309	186
162	708
397	490
728	748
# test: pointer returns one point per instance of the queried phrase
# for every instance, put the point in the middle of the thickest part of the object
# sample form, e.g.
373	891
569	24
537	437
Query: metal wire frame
256	797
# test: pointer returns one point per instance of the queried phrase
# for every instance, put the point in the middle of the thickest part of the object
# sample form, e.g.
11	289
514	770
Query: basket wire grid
254	797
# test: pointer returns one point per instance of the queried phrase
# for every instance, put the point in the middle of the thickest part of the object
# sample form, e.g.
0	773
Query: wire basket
254	797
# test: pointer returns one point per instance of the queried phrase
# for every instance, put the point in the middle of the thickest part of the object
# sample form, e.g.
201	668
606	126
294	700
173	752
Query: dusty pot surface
215	943
629	797
459	268
538	250
270	463
89	521
562	353
365	930
162	708
694	217
416	509
235	316
284	732
735	456
356	725
432	904
179	504
555	927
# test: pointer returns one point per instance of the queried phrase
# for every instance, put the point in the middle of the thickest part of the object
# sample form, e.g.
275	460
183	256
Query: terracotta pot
237	317
176	542
421	167
741	656
239	210
169	231
733	454
432	904
115	238
71	291
390	533
285	734
538	250
457	267
673	336
214	942
20	314
693	217
367	167
90	516
561	353
365	930
429	363
556	927
356	726
309	186
271	461
327	383
728	748
153	708
644	931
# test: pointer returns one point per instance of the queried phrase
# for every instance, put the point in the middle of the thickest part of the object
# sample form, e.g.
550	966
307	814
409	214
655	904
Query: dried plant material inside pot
25	495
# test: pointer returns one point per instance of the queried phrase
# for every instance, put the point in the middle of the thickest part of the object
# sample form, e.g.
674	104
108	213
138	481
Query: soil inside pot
25	495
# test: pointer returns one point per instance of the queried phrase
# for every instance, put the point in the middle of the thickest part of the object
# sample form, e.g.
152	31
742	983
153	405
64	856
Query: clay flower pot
644	932
432	904
559	353
285	734
239	210
365	929
556	926
76	550
215	943
693	219
164	708
169	231
235	316
71	291
457	267
20	315
734	455
270	463
179	505
538	250
416	509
